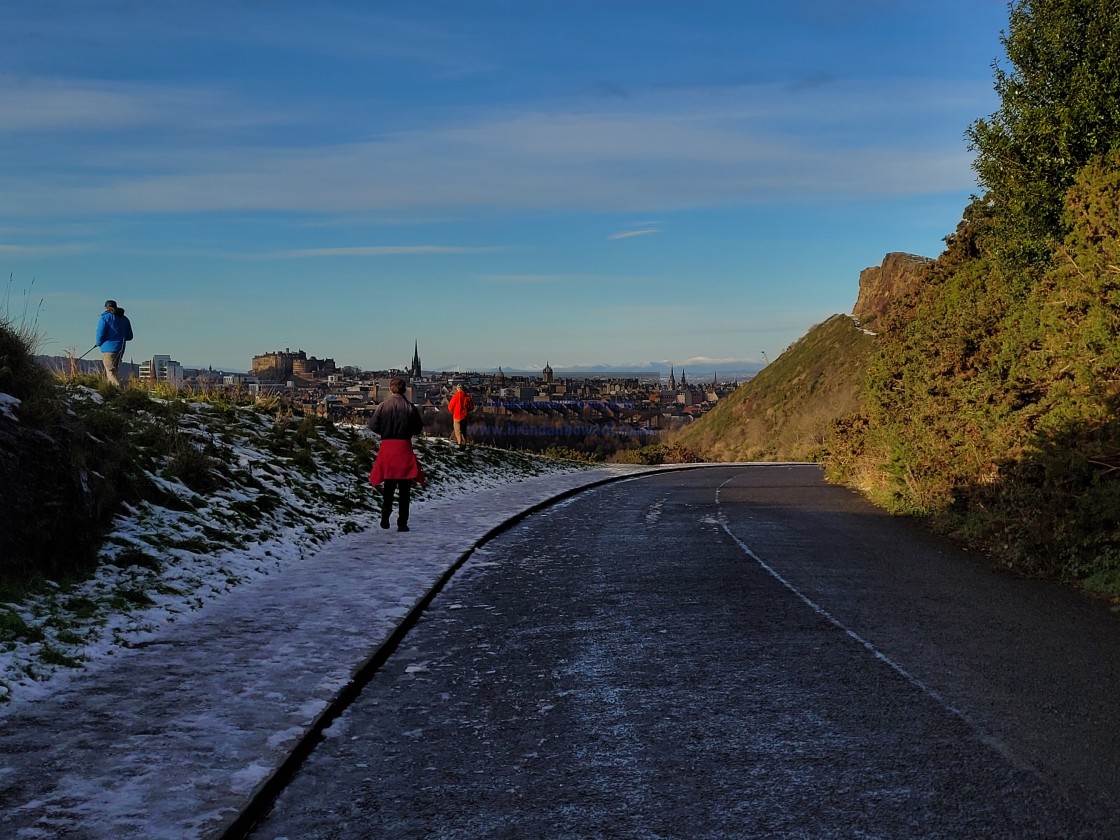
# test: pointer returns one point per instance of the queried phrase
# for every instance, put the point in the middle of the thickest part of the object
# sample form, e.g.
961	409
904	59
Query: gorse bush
79	447
193	464
991	399
1064	356
60	474
662	453
567	453
20	375
1059	109
993	408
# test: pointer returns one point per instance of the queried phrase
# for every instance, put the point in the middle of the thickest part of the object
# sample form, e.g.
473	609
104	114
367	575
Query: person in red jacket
460	405
396	420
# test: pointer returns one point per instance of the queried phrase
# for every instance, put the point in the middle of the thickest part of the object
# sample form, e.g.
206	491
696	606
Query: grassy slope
787	411
223	493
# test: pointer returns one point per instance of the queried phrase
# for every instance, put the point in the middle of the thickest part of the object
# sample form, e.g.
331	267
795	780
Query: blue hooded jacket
113	330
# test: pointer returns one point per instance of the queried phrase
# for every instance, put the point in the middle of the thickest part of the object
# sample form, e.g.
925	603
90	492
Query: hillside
988	403
788	410
205	495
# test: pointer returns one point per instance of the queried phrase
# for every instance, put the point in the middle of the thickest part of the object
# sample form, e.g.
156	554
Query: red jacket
460	405
396	459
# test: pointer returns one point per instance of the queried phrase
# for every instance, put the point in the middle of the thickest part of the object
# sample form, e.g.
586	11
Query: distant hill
66	366
698	369
788	410
62	365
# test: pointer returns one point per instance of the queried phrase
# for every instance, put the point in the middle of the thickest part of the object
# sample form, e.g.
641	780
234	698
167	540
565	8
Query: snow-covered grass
233	493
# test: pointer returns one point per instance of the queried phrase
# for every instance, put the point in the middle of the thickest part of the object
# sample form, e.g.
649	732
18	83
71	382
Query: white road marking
987	739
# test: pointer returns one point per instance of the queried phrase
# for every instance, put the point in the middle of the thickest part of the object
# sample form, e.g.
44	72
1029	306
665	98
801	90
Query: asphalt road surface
728	652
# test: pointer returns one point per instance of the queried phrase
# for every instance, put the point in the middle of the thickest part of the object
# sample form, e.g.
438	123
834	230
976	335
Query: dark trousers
391	487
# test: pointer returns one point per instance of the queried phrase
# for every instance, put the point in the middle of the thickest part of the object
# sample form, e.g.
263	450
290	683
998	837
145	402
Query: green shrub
20	374
192	465
566	453
134	556
662	453
307	430
305	460
135	399
51	655
13	627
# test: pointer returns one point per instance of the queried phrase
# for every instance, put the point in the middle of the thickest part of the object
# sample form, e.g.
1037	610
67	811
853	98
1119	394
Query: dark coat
396	419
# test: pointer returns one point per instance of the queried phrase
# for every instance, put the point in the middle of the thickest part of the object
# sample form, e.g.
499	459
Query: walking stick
90	350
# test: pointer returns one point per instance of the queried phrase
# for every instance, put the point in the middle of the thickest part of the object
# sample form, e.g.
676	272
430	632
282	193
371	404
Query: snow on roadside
8	406
163	561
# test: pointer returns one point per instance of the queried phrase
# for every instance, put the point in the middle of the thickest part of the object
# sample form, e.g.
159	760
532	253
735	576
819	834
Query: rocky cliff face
880	286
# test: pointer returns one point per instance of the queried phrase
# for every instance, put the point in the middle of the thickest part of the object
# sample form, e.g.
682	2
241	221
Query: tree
1059	108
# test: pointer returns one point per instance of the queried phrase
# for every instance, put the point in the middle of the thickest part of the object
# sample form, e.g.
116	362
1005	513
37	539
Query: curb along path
181	736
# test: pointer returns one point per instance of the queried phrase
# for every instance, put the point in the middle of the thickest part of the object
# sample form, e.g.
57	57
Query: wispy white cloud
194	141
636	311
378	251
755	145
662	152
42	104
567	279
700	361
526	279
359	220
810	81
43	250
629	234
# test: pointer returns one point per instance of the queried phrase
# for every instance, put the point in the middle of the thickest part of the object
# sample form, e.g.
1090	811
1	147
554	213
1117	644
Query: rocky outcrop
880	286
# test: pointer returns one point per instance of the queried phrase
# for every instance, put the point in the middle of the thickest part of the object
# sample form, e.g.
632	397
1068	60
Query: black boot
386	503
402	508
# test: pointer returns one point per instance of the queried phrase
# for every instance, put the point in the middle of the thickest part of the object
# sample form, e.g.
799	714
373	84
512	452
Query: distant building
161	369
277	365
280	366
415	370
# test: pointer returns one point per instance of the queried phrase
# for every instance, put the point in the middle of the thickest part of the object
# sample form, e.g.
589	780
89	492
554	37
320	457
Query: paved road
722	653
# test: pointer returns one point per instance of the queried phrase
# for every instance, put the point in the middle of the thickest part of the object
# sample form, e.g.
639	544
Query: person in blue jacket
113	330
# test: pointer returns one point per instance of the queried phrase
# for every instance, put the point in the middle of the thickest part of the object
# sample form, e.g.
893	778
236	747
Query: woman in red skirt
396	420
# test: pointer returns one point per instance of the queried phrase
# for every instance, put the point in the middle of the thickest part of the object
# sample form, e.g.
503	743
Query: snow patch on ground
8	406
161	564
170	739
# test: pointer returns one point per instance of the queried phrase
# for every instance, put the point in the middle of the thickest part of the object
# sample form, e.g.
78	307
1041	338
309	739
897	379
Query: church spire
416	371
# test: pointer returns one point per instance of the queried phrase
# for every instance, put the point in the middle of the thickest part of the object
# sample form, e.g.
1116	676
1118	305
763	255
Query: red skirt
395	459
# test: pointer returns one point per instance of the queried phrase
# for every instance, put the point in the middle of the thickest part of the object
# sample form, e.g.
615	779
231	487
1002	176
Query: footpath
183	735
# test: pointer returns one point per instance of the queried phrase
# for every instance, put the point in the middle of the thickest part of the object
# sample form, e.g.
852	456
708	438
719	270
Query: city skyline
587	184
701	370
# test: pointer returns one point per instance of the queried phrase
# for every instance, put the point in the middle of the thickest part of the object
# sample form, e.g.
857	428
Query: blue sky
507	183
